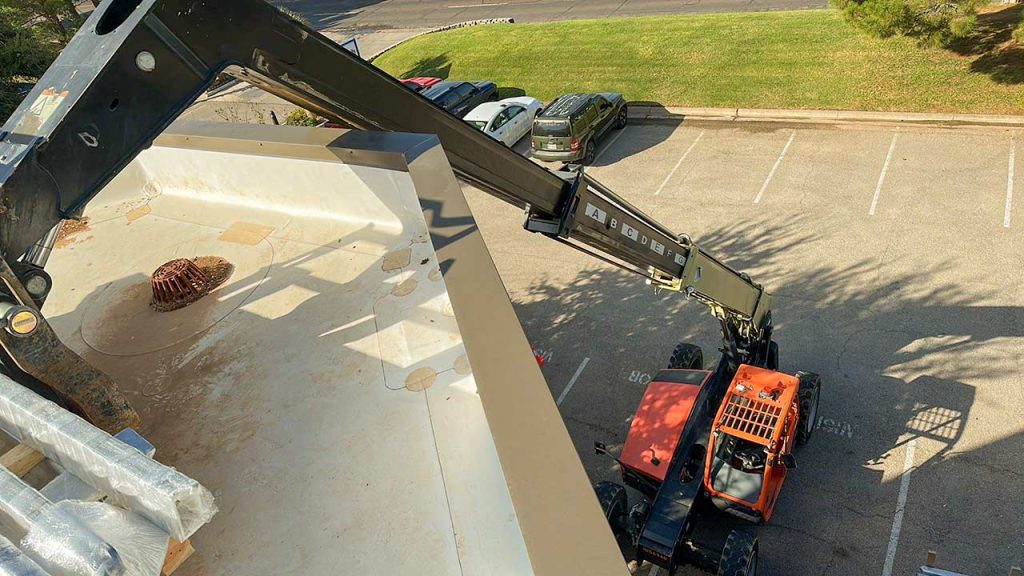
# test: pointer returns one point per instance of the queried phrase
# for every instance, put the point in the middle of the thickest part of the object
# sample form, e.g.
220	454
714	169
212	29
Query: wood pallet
22	459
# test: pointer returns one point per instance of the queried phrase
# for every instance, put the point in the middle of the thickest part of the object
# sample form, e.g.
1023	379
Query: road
373	14
897	263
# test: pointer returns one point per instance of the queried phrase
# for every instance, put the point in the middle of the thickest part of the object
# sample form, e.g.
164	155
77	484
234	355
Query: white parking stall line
760	193
572	382
901	505
610	143
678	164
1009	184
881	177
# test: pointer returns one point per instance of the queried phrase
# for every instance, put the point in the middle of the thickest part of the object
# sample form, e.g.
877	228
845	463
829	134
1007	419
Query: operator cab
738	468
752	441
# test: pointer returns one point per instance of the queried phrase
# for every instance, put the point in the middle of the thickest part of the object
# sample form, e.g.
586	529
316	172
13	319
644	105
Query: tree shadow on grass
433	67
992	46
510	92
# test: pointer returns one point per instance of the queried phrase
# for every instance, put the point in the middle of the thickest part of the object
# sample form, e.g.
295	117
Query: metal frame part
137	64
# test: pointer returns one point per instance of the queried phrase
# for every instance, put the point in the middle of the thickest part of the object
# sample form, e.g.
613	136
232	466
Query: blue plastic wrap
14	562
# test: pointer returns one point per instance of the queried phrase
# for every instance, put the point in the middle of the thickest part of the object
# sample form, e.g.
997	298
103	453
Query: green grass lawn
808	59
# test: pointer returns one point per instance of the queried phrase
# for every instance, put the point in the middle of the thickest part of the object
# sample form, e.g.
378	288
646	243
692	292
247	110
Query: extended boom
137	64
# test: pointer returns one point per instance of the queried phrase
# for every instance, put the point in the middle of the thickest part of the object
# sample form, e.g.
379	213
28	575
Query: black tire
588	155
686	357
773	356
623	118
614	504
810	394
739	557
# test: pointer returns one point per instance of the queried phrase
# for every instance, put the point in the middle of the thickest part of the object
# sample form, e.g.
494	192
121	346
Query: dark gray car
461	97
570	128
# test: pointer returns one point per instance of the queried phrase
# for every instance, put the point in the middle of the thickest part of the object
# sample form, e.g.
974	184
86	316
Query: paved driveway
896	257
419	13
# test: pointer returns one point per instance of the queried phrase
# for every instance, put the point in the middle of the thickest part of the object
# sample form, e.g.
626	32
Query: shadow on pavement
326	13
635	143
901	361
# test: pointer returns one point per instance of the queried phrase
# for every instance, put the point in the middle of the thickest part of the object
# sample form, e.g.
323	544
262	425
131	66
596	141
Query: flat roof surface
323	393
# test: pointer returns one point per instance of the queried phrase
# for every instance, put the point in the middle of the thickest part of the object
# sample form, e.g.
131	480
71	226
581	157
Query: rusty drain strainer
181	281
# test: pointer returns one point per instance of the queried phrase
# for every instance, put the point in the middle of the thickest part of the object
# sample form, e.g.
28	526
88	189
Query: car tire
614	504
589	152
623	118
809	395
739	557
686	357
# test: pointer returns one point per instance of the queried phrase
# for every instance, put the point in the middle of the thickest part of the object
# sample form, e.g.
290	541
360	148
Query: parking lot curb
642	113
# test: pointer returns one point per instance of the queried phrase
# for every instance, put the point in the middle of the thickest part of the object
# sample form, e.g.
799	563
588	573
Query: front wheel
810	394
739	557
686	357
623	118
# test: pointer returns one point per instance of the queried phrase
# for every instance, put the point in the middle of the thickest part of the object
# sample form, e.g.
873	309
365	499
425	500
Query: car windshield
437	90
557	128
478	124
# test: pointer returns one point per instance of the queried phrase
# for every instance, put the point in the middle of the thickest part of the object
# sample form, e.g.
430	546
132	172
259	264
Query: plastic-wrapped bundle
69	487
14	562
174	502
140	546
55	540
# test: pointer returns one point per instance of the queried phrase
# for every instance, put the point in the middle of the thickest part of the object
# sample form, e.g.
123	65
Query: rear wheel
739	557
686	357
810	393
588	156
623	118
613	501
773	356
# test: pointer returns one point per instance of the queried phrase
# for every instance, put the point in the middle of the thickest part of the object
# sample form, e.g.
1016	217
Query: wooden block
21	459
930	561
1015	571
177	553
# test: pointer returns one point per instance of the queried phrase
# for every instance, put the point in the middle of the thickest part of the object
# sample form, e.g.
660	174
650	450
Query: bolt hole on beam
116	13
114	104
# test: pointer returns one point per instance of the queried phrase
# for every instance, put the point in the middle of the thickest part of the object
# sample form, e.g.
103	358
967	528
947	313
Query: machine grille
753	417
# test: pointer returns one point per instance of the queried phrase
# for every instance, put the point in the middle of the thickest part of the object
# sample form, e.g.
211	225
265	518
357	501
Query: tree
26	50
300	117
932	21
59	17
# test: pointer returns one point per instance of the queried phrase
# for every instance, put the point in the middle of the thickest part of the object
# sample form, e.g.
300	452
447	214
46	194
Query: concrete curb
644	113
466	24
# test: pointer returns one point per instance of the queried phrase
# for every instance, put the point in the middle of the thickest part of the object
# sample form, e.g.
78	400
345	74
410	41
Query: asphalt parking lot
896	257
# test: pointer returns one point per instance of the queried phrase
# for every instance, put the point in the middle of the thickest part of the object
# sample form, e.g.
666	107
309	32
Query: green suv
569	129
